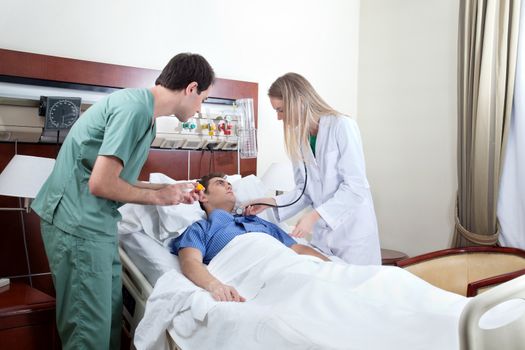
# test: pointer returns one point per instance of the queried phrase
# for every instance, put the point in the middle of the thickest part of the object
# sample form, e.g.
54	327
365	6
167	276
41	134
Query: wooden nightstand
27	319
391	257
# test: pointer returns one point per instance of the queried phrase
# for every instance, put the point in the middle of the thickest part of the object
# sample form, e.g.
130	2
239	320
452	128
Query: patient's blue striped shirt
210	236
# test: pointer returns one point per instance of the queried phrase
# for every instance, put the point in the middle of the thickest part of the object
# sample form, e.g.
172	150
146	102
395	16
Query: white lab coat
338	189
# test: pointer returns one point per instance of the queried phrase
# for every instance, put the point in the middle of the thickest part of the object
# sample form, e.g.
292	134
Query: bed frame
509	336
135	289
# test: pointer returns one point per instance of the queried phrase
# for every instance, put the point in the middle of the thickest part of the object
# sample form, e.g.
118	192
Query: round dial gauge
61	113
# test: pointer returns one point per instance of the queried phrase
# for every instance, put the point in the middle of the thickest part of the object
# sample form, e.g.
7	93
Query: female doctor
327	146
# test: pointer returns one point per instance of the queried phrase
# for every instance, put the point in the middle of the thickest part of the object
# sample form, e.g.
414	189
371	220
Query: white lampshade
24	176
279	177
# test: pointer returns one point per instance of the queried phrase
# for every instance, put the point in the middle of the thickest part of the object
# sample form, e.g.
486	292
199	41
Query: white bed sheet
154	260
299	302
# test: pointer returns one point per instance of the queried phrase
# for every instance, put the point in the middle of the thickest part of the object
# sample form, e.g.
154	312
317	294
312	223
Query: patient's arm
193	268
306	250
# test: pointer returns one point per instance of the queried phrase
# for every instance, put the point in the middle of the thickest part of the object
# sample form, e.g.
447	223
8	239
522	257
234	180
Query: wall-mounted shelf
28	102
22	102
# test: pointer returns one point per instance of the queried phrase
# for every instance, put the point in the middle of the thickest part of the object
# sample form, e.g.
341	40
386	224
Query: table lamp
279	177
23	177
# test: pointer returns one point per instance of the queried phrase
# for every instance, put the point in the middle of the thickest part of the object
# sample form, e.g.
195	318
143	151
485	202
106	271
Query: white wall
245	40
407	114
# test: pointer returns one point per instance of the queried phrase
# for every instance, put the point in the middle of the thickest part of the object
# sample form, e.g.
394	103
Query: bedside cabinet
391	257
27	318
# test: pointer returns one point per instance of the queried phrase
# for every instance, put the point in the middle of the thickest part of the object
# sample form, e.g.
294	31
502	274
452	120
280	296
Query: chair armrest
474	287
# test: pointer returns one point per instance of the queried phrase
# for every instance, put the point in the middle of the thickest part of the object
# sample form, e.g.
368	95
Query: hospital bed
144	260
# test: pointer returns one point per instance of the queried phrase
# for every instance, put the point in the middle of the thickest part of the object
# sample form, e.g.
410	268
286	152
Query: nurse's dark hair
184	69
205	180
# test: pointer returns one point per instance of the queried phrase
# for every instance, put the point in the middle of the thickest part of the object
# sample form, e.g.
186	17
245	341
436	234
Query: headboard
178	164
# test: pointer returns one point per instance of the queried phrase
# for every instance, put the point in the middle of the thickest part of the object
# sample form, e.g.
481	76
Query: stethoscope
240	210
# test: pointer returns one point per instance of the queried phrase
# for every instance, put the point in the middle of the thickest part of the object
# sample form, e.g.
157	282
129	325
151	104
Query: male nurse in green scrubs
96	171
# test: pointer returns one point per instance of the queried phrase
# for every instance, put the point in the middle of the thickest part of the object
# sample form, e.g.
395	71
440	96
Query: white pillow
233	178
174	219
249	188
137	217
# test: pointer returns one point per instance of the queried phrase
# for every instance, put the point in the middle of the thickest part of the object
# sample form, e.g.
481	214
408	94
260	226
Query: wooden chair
467	271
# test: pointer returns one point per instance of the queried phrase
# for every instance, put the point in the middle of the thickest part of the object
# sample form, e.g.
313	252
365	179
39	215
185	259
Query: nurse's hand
223	292
251	208
194	194
177	193
305	224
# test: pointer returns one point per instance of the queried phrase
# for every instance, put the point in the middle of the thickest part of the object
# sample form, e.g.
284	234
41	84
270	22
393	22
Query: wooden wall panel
174	163
29	65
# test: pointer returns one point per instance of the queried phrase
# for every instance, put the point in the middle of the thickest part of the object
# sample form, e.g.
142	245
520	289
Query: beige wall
246	40
407	115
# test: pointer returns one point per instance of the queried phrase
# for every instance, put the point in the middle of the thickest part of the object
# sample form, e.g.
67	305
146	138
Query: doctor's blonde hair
303	107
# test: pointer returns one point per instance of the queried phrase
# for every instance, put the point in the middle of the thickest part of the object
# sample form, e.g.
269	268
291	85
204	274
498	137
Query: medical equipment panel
247	130
222	124
41	114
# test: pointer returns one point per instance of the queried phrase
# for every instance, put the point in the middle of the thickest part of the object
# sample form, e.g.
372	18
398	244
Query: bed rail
136	290
137	278
509	336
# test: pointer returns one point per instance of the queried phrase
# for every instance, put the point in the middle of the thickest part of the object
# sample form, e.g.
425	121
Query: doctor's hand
254	209
177	193
305	224
223	292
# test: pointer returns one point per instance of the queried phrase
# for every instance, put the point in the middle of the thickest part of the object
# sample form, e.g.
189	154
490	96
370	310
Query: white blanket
299	302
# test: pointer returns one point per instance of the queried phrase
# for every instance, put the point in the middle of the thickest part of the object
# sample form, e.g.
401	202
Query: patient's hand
223	292
305	224
251	208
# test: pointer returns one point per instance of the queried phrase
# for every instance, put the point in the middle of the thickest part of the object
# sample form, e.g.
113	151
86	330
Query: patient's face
219	193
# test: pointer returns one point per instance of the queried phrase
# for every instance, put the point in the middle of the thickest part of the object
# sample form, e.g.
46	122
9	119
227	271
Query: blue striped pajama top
212	235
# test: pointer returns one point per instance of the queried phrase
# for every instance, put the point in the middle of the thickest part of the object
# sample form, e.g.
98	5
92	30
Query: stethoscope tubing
291	203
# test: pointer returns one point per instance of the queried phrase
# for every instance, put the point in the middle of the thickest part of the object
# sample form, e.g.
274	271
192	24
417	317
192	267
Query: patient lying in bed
297	301
204	239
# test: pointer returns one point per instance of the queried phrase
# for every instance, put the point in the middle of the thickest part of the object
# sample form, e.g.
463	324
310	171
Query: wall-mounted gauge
60	112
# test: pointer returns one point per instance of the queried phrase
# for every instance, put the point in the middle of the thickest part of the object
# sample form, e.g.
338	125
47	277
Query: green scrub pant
87	278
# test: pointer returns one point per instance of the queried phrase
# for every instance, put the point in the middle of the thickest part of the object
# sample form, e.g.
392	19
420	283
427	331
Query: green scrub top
119	125
313	141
